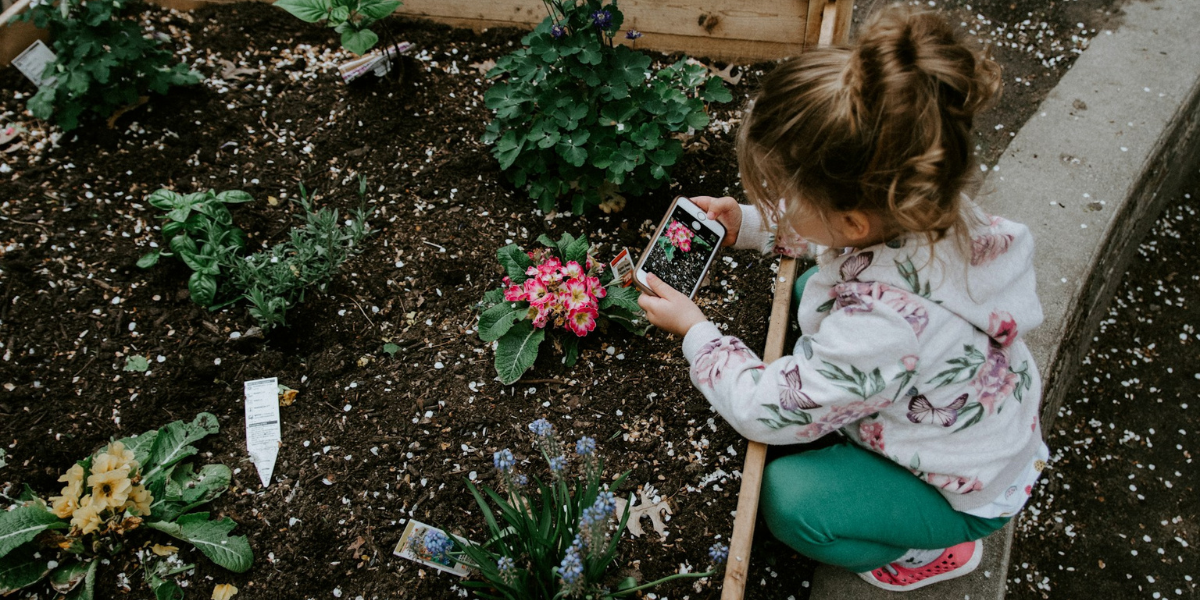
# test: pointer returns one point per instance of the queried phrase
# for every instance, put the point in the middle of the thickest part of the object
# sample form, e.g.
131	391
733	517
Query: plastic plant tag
32	62
623	267
262	425
413	546
371	62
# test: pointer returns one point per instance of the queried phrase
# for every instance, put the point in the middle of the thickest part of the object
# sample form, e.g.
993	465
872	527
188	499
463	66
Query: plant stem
661	581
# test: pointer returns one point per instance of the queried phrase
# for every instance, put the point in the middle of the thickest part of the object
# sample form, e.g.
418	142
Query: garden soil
372	439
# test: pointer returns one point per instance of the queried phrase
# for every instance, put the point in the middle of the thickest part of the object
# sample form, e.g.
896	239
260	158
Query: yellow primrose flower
139	500
115	457
110	489
224	591
66	504
87	517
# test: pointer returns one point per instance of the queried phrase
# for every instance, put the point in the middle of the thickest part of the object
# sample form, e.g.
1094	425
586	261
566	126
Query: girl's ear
857	226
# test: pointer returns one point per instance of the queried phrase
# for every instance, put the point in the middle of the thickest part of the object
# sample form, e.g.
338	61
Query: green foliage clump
200	231
134	484
578	116
105	62
351	18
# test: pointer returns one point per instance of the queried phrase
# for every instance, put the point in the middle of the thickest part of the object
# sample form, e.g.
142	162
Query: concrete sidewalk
1088	174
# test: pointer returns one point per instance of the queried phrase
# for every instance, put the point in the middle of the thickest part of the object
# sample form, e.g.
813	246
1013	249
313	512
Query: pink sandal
954	561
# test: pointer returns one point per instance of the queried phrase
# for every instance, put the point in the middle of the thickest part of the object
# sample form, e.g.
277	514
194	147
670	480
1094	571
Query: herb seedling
350	18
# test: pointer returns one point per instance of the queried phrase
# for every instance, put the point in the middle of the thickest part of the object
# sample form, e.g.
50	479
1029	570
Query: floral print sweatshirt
918	358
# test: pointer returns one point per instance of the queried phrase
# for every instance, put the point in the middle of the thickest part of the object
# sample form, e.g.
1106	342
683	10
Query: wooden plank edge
738	566
741	540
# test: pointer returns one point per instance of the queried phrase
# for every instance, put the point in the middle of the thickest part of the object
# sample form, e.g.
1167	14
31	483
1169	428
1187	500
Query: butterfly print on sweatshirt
790	395
921	410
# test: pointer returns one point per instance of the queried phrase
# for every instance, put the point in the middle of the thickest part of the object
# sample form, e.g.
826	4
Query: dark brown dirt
372	439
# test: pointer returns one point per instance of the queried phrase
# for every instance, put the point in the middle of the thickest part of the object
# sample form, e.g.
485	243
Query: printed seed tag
262	425
32	62
623	267
420	543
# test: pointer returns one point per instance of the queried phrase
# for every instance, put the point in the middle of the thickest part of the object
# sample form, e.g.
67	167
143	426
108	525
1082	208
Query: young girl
911	322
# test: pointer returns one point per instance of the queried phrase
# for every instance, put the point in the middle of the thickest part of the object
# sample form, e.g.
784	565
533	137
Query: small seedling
136	363
391	349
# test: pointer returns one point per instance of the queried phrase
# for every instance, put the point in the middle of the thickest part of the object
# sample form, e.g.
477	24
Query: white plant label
33	60
262	425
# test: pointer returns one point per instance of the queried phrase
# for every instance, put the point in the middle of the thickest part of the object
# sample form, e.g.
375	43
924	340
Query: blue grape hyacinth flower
541	428
504	460
585	446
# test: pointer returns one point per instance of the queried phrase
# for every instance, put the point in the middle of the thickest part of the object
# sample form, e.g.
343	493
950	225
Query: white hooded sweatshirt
917	358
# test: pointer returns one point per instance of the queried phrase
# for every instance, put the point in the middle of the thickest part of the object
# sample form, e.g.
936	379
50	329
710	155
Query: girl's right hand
726	212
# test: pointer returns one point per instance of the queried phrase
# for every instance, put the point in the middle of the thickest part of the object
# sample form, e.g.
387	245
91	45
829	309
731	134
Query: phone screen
682	251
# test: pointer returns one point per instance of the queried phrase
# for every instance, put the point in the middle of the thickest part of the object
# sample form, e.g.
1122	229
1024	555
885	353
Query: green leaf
20	568
359	42
625	297
377	9
576	251
517	350
234	197
715	91
186	489
24	523
203	288
497	320
697	119
571	350
508	148
87	591
164	199
309	11
391	349
140	445
515	261
68	577
173	443
136	363
149	259
211	538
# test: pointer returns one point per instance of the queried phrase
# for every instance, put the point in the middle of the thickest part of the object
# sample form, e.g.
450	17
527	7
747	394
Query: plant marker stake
262	425
740	541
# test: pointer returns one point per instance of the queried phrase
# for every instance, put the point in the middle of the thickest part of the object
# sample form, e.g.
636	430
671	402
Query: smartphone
681	250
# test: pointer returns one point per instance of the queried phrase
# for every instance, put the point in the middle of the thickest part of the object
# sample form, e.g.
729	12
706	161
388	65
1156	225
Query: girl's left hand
671	311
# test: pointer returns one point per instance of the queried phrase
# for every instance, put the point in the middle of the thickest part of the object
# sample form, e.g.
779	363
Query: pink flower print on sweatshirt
850	297
718	357
994	382
951	483
1002	328
989	246
838	417
872	434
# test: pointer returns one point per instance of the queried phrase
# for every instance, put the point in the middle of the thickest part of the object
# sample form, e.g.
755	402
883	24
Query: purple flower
718	553
633	34
438	545
585	446
558	31
541	428
504	460
602	19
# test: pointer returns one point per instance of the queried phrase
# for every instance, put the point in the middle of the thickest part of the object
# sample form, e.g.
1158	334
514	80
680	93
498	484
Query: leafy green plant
351	18
578	116
200	231
560	542
275	280
134	484
561	285
105	62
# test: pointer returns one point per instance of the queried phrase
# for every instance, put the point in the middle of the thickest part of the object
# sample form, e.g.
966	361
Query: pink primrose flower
1002	328
572	270
549	270
576	295
583	320
514	293
542	318
594	288
680	236
536	291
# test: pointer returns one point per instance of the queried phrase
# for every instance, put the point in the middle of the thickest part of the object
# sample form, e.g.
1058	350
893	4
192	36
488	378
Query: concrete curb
1089	174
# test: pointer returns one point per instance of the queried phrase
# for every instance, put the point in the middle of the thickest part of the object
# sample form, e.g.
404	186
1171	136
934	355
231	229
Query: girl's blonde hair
882	126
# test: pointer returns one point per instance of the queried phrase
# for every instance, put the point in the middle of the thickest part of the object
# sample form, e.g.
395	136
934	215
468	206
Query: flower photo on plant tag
430	546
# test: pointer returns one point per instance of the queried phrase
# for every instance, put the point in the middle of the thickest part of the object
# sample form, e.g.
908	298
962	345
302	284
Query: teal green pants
847	506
